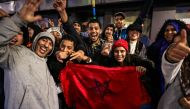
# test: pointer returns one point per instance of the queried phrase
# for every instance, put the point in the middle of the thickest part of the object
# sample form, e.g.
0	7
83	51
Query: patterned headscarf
185	71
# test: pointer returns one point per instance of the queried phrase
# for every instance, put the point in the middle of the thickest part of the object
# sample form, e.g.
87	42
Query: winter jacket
173	92
27	80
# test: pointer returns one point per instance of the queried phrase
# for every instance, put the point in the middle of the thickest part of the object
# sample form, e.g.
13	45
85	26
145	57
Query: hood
7	24
57	29
43	34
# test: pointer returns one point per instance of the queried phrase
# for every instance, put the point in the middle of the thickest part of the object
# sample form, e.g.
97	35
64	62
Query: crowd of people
31	58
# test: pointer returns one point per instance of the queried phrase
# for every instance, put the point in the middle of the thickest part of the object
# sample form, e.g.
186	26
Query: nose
47	43
170	31
64	49
93	30
119	53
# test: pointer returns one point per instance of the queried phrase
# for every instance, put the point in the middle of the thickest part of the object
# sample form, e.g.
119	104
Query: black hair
136	27
78	23
70	38
109	25
179	23
36	29
95	21
25	35
120	14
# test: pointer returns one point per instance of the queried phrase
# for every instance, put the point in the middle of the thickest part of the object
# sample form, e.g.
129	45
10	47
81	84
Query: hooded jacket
27	80
40	35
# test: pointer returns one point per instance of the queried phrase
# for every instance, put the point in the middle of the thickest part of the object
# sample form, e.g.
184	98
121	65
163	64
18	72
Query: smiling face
120	54
77	27
94	31
43	47
170	32
17	39
67	46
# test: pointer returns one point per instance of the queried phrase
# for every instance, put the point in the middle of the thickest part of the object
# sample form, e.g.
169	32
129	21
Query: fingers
77	55
105	52
61	56
180	50
177	52
183	34
33	3
59	4
140	69
3	13
36	18
184	102
74	55
59	59
27	11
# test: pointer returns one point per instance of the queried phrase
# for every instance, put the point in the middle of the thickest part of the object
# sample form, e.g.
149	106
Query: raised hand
27	11
178	50
106	50
60	5
3	13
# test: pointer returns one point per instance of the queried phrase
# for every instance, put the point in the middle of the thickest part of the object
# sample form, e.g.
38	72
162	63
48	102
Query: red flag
97	87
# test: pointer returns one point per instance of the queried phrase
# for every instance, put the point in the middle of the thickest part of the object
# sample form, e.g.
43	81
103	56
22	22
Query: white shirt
132	47
170	70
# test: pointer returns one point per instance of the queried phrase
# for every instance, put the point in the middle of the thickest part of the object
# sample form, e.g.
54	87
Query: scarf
185	76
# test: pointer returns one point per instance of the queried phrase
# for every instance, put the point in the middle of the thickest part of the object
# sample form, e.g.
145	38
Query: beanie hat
120	43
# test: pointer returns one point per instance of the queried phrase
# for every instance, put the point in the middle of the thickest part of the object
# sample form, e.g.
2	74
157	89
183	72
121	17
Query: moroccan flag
97	87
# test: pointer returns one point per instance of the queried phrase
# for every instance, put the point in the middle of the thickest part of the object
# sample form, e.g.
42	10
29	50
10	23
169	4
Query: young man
28	83
135	45
92	44
119	18
94	41
121	31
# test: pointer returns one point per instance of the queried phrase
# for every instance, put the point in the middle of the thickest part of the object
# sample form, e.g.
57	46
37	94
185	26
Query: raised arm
144	12
173	57
60	6
10	26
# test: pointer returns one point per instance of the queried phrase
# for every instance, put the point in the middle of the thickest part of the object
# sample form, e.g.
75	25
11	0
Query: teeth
14	40
43	49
